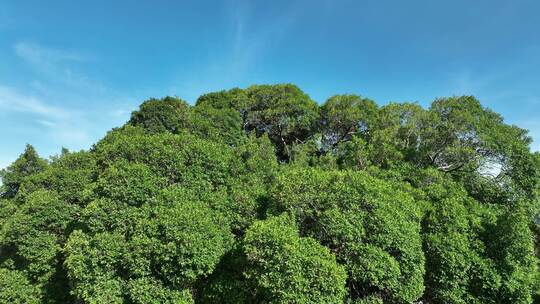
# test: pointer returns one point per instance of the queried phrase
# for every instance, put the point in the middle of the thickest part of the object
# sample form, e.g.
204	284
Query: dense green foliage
260	195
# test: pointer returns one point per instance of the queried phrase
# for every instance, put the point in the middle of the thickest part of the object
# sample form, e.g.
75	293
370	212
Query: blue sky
71	70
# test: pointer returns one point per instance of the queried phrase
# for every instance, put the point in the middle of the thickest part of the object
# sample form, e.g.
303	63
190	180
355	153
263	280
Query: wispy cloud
120	113
40	55
61	98
59	126
11	100
247	45
46	123
57	65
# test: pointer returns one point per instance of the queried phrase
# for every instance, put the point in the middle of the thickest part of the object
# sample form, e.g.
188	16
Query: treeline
260	195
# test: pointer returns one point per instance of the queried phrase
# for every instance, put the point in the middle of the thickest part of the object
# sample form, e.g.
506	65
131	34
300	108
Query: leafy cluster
260	195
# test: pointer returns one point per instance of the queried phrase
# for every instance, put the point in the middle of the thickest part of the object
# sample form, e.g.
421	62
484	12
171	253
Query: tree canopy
262	195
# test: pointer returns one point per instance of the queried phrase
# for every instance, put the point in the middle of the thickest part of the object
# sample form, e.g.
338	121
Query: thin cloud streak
248	46
10	100
57	65
40	55
62	125
46	123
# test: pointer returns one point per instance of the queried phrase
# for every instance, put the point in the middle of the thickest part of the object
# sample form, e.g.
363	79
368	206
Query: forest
262	195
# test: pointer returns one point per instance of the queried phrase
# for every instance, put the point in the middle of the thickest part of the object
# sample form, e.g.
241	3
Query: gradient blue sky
71	70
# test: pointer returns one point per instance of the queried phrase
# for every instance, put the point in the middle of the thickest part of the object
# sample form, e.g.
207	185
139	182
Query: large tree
260	195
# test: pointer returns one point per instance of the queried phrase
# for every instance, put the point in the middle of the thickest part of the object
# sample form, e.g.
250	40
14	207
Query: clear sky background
71	70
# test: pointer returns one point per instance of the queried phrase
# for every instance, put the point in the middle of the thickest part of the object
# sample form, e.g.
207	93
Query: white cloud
57	65
46	123
62	125
58	105
40	55
246	45
10	100
120	113
66	135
